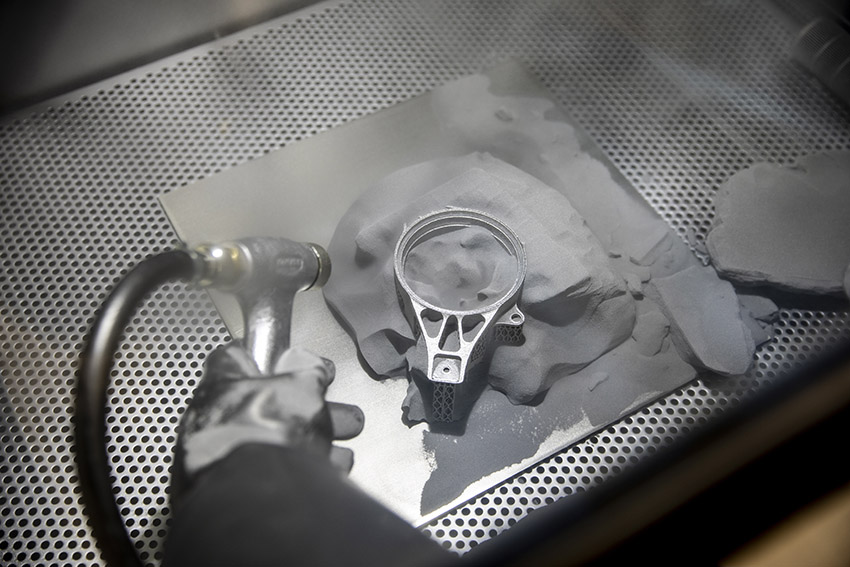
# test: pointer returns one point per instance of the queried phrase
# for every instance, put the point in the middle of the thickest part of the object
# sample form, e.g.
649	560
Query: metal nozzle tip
222	265
324	271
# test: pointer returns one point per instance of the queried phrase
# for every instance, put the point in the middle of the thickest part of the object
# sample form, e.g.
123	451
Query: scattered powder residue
785	225
760	313
504	115
576	308
642	400
496	437
553	443
597	378
705	319
431	459
503	147
399	492
461	268
594	250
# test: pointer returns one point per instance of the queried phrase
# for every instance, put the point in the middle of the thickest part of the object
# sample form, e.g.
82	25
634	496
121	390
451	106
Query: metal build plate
679	95
294	192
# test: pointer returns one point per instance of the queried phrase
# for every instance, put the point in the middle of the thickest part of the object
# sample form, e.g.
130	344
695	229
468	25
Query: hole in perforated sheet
801	336
676	106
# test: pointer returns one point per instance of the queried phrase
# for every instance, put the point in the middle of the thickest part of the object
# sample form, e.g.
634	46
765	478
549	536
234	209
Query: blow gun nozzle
231	265
264	274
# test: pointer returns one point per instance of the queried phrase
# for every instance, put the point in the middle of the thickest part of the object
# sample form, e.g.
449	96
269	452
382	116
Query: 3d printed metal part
454	335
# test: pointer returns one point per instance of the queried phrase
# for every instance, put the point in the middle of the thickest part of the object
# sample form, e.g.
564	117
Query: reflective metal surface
680	95
456	341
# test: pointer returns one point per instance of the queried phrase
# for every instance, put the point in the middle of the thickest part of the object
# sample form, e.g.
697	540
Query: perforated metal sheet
679	94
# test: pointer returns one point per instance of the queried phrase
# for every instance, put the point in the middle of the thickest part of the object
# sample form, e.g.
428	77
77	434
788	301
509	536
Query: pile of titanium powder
462	268
611	291
580	300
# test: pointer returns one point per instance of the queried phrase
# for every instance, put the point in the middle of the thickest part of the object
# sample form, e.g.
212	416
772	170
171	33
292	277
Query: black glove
239	500
234	405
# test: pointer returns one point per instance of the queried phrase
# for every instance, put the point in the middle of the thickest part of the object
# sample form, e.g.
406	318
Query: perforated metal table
680	95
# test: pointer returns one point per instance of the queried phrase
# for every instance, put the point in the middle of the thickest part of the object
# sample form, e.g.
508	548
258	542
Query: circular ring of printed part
455	325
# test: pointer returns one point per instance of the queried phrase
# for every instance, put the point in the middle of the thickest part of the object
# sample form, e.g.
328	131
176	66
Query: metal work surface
679	95
421	472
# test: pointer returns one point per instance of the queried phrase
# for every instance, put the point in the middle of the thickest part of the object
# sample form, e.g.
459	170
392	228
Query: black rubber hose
90	428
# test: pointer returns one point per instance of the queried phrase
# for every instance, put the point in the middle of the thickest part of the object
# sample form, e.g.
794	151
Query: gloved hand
234	405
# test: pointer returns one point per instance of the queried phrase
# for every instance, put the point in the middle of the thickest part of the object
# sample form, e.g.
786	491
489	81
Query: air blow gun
264	274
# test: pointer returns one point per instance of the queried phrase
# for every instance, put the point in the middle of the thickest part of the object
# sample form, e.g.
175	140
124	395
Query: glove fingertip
342	458
330	368
347	420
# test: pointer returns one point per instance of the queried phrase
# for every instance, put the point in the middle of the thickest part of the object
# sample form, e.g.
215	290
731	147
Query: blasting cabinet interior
678	95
